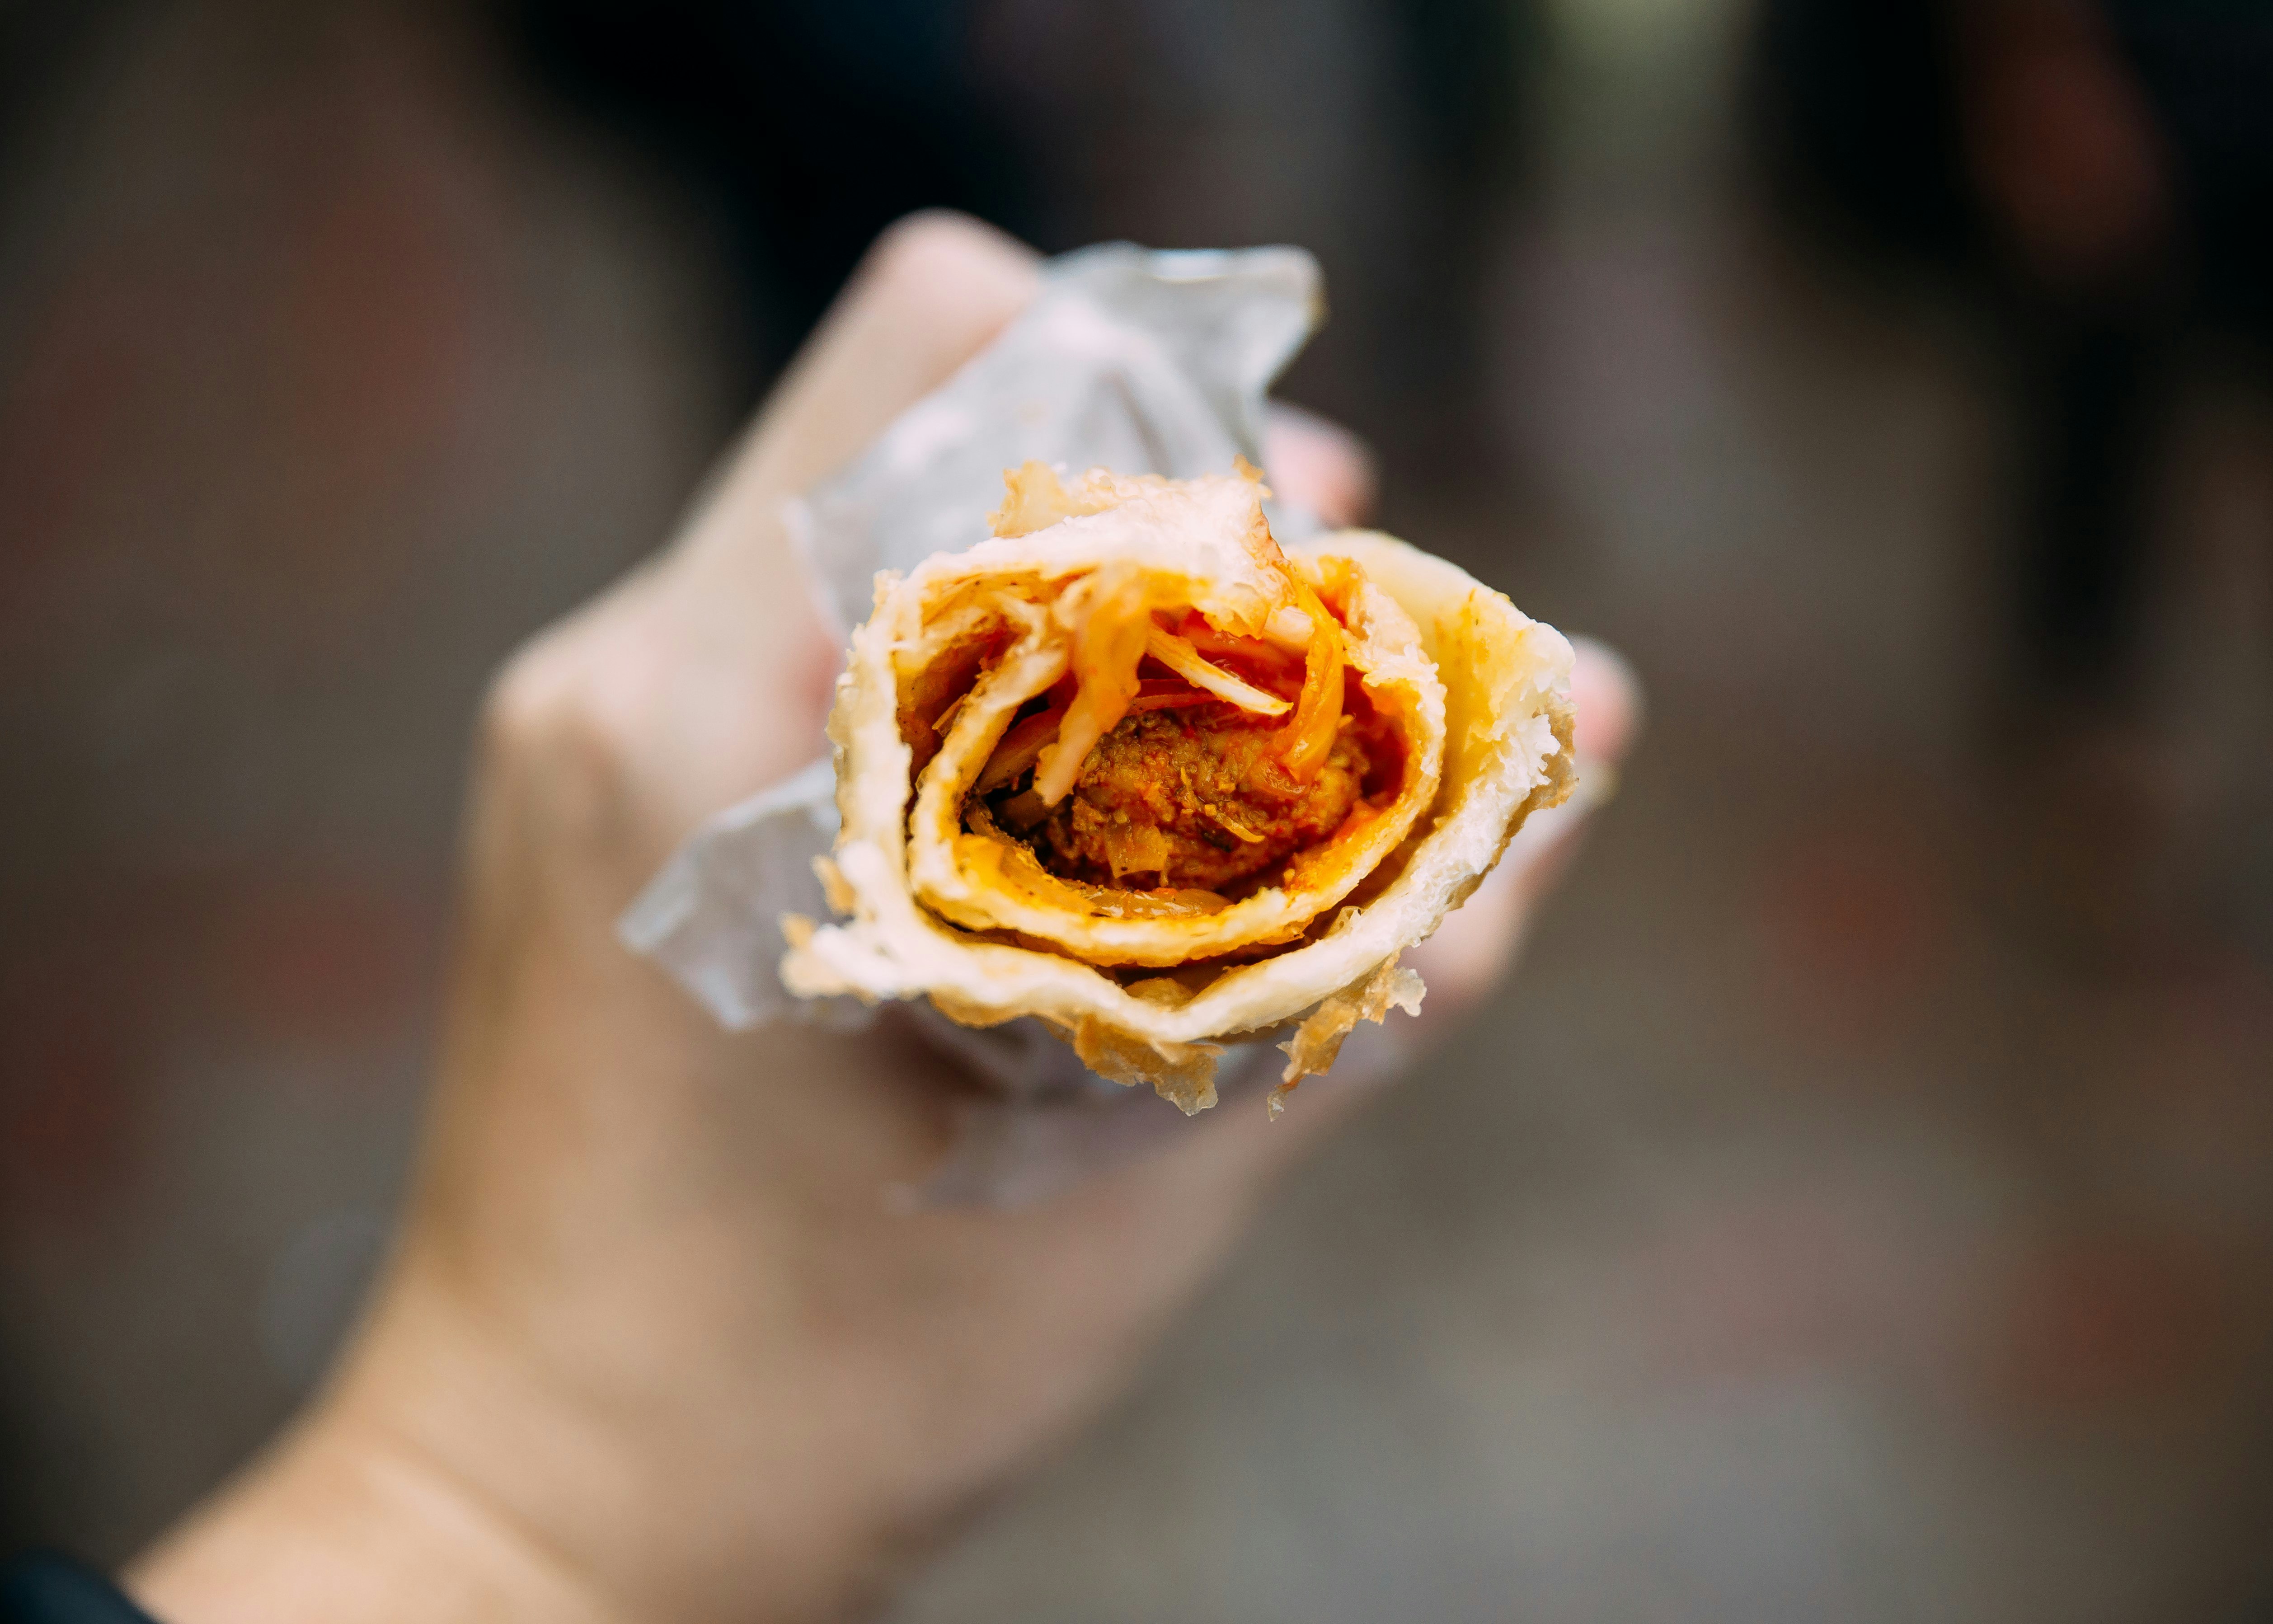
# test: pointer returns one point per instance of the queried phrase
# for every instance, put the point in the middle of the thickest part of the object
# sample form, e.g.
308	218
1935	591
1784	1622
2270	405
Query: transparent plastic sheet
1145	363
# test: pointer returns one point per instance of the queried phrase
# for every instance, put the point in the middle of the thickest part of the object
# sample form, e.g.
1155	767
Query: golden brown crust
1488	693
1317	1041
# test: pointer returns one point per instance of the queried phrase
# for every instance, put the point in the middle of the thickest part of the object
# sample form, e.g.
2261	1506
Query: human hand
652	1345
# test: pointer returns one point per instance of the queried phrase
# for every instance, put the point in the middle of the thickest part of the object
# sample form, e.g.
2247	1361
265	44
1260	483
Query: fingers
1470	952
1320	464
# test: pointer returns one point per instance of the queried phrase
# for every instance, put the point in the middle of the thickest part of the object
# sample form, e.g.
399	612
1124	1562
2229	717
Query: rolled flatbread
1132	769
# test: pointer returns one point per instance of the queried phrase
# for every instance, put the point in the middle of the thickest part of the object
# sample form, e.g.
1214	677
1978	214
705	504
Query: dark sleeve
45	1589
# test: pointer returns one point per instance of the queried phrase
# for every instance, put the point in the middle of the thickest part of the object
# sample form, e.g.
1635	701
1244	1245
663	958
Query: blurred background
1862	1205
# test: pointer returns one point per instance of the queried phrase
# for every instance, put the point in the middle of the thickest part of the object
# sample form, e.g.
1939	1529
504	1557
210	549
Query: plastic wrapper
1136	360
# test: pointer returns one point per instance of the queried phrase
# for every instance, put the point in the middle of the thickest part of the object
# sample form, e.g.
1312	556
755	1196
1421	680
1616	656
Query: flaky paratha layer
1480	691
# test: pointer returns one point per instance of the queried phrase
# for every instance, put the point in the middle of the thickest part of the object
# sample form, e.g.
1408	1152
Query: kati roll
1134	769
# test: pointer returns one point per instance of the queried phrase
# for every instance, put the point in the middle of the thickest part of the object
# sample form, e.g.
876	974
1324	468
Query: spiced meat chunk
1195	798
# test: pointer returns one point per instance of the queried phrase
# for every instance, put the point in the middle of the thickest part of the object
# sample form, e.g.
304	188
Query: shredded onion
1107	649
1169	693
1113	632
1184	659
1020	747
1288	628
1271	660
1310	737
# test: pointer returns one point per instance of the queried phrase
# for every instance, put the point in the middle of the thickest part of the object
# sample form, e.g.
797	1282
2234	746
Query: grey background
1823	1225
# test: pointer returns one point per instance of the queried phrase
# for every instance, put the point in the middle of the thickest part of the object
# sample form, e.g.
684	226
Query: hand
652	1346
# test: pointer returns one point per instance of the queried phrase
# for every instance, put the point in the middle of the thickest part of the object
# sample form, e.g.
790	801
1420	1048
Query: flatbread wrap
1134	769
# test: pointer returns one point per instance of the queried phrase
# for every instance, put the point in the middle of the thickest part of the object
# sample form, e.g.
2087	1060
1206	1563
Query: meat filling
1195	798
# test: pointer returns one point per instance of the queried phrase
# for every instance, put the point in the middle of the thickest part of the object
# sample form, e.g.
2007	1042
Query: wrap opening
1131	769
1124	754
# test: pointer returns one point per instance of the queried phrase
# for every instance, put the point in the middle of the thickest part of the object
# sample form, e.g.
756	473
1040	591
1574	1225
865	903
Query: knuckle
926	239
556	716
922	252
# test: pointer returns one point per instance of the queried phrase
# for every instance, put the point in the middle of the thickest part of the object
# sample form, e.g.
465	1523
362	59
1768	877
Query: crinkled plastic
1140	362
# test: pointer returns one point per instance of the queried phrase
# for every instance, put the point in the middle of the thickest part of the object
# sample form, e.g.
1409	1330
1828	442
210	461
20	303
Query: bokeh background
1861	1206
